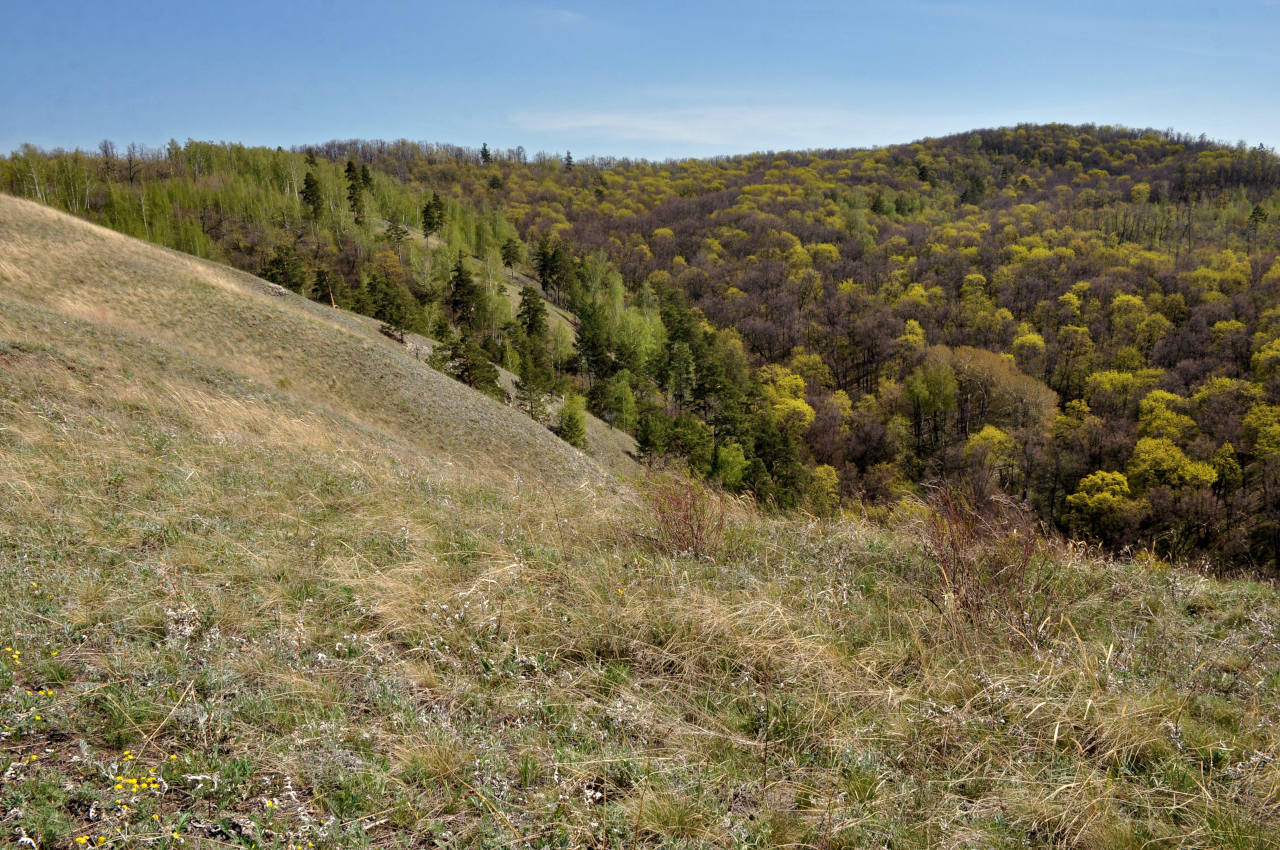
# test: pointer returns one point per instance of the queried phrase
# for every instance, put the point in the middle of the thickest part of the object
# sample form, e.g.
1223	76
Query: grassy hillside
272	582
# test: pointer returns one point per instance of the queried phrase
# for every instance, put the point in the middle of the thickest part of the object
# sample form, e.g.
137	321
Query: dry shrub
689	518
989	559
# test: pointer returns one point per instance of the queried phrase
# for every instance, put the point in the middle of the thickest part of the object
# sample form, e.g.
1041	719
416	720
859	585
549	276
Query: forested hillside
1086	317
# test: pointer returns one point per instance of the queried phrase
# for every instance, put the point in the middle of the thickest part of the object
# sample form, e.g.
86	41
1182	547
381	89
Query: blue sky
652	79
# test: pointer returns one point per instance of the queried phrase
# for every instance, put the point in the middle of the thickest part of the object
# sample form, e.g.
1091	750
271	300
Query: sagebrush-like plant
989	558
688	517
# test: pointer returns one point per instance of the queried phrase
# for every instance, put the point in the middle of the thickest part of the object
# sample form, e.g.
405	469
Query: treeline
1087	317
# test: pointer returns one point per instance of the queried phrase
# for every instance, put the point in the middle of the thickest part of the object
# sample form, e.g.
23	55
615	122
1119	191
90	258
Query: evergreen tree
396	233
312	198
465	361
464	296
328	288
531	388
571	424
512	253
286	269
432	215
532	315
355	191
485	156
568	161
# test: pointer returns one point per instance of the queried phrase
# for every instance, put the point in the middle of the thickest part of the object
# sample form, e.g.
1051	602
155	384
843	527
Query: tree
571	424
485	156
327	286
312	198
1158	462
620	402
465	361
464	296
512	253
396	234
568	161
432	215
531	388
532	315
286	269
1103	507
355	191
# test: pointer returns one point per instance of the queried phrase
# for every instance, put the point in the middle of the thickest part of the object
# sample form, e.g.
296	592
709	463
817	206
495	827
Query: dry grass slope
81	276
263	589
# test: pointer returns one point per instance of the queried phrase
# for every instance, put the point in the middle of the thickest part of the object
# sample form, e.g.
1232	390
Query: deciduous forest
1085	318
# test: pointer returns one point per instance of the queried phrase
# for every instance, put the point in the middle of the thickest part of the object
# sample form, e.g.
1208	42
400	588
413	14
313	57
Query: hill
1085	317
270	581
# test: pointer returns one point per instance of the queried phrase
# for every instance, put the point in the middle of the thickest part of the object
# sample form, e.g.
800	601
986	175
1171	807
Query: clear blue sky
641	79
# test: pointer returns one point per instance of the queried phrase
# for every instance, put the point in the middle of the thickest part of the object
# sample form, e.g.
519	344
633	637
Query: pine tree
327	287
286	269
432	215
485	156
312	198
532	315
396	233
531	389
568	161
355	191
464	296
511	253
571	424
465	361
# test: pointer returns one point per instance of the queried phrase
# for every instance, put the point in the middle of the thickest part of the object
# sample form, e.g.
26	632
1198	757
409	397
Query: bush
989	562
688	516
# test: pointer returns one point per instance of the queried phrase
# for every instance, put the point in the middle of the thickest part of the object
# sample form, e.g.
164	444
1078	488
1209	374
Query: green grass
331	614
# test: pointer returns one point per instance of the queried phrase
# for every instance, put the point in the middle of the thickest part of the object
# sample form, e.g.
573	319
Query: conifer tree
531	388
464	296
465	361
312	198
355	191
512	251
432	215
485	156
532	314
571	424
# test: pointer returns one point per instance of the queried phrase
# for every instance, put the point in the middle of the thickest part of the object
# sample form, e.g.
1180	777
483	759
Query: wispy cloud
559	17
736	125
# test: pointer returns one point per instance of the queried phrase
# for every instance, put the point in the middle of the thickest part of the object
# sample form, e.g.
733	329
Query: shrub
688	516
989	562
